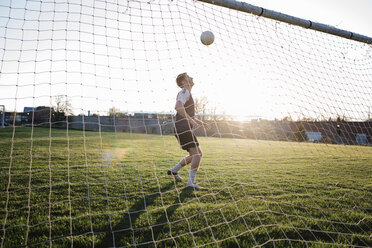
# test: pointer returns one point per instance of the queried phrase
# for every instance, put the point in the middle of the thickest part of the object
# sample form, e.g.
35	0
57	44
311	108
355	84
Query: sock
192	175
177	167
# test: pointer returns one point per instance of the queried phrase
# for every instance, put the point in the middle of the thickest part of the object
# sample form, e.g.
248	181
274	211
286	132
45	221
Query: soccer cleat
195	186
175	175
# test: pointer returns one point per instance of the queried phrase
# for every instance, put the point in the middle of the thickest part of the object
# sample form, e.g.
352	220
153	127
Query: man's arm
180	108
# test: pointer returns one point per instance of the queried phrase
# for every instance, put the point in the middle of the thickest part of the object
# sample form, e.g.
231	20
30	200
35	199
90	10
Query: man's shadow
164	220
130	229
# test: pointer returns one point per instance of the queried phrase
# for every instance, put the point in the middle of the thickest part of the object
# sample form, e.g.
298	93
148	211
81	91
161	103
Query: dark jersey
185	97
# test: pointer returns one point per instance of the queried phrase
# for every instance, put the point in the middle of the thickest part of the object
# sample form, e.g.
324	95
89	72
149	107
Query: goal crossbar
259	11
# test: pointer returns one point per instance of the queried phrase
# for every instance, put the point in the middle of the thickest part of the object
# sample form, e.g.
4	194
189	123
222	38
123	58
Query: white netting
89	93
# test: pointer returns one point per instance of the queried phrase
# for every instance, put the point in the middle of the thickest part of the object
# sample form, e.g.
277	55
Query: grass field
103	189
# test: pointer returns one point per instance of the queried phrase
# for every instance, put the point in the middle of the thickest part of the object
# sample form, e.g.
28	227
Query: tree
114	112
342	118
300	135
62	107
287	118
201	104
217	117
204	109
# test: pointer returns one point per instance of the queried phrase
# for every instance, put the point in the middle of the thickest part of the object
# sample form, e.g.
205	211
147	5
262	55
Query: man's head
184	81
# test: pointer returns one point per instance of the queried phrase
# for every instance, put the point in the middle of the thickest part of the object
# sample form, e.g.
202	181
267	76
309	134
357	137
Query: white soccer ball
207	38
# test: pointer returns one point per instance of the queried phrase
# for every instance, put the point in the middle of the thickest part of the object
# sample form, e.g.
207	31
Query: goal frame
259	11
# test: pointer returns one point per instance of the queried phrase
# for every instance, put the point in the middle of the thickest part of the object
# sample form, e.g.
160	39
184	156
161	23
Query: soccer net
90	93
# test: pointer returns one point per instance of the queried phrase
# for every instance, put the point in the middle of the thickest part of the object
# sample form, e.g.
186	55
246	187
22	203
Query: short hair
180	79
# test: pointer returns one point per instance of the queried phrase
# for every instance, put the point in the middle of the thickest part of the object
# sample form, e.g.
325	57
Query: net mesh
89	93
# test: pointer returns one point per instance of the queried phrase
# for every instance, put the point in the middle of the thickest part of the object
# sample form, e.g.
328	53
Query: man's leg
196	154
174	171
183	162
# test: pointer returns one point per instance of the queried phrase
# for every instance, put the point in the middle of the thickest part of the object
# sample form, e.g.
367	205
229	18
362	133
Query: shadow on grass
165	218
144	234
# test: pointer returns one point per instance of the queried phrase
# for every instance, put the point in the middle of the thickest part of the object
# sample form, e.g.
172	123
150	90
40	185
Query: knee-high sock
192	175
177	167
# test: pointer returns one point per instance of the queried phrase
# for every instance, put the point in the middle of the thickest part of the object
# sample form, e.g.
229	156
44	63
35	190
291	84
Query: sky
101	54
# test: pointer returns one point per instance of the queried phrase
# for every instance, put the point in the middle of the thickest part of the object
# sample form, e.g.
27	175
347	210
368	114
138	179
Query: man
184	126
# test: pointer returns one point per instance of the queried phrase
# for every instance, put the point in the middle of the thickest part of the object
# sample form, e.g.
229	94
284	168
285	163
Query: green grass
80	188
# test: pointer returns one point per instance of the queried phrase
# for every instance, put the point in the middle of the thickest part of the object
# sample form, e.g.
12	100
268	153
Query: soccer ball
207	38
